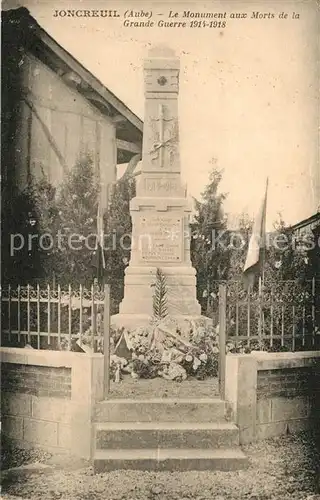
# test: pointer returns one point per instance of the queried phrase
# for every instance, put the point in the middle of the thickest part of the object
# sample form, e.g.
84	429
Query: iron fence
56	319
52	318
282	316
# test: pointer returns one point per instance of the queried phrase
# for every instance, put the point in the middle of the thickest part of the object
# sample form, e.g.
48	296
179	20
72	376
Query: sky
248	99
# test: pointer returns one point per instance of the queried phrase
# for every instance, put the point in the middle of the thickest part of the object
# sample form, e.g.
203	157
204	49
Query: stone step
160	410
170	460
166	435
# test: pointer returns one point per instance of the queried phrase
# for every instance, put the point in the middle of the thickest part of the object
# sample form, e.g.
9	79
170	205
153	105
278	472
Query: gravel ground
285	468
161	388
11	457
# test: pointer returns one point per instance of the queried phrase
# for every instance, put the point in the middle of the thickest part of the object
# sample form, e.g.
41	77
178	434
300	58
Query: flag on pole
99	257
100	239
254	264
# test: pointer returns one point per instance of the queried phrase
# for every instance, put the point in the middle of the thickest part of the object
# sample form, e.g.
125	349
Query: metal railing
281	316
57	319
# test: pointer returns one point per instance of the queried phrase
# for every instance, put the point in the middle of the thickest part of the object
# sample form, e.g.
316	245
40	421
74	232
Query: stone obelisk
160	211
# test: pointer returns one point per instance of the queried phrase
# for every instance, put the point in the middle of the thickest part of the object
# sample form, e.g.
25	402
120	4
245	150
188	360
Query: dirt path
280	469
161	388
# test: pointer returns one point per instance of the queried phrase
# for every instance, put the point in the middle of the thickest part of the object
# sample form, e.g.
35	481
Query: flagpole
261	288
260	307
263	262
255	260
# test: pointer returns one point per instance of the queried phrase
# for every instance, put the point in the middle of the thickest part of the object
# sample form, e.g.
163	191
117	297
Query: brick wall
270	394
287	399
286	382
48	397
35	405
46	381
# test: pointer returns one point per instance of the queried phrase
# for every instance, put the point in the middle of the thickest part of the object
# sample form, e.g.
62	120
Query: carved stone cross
158	146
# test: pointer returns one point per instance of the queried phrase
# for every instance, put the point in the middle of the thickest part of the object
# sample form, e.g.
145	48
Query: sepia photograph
160	250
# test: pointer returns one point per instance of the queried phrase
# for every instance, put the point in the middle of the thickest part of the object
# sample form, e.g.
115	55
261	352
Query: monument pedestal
160	212
161	240
180	282
133	321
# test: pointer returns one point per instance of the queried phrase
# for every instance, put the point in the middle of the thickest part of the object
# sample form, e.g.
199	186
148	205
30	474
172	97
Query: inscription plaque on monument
161	238
161	187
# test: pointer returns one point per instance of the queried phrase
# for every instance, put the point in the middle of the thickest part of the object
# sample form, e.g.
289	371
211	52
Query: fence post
93	317
313	311
106	340
222	338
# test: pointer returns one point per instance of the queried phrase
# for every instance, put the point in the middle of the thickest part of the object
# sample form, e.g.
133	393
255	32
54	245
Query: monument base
132	321
139	286
136	309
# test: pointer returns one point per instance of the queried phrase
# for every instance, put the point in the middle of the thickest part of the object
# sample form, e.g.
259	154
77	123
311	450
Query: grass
285	468
161	388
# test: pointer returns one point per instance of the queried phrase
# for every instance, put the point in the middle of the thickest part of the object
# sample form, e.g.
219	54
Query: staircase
165	434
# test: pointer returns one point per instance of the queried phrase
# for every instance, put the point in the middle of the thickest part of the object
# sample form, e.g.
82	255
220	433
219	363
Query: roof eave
306	222
87	77
44	47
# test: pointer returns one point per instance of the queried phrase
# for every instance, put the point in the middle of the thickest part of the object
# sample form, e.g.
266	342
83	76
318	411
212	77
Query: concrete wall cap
281	355
279	360
43	357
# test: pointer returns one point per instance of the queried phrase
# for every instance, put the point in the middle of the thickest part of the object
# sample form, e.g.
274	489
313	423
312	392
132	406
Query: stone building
310	227
53	109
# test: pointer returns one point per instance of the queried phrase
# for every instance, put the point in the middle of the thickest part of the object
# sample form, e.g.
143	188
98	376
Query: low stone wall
48	398
41	381
270	394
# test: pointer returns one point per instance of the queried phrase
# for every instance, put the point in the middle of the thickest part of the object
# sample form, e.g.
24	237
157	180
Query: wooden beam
93	97
131	167
50	138
128	146
119	119
71	77
87	77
